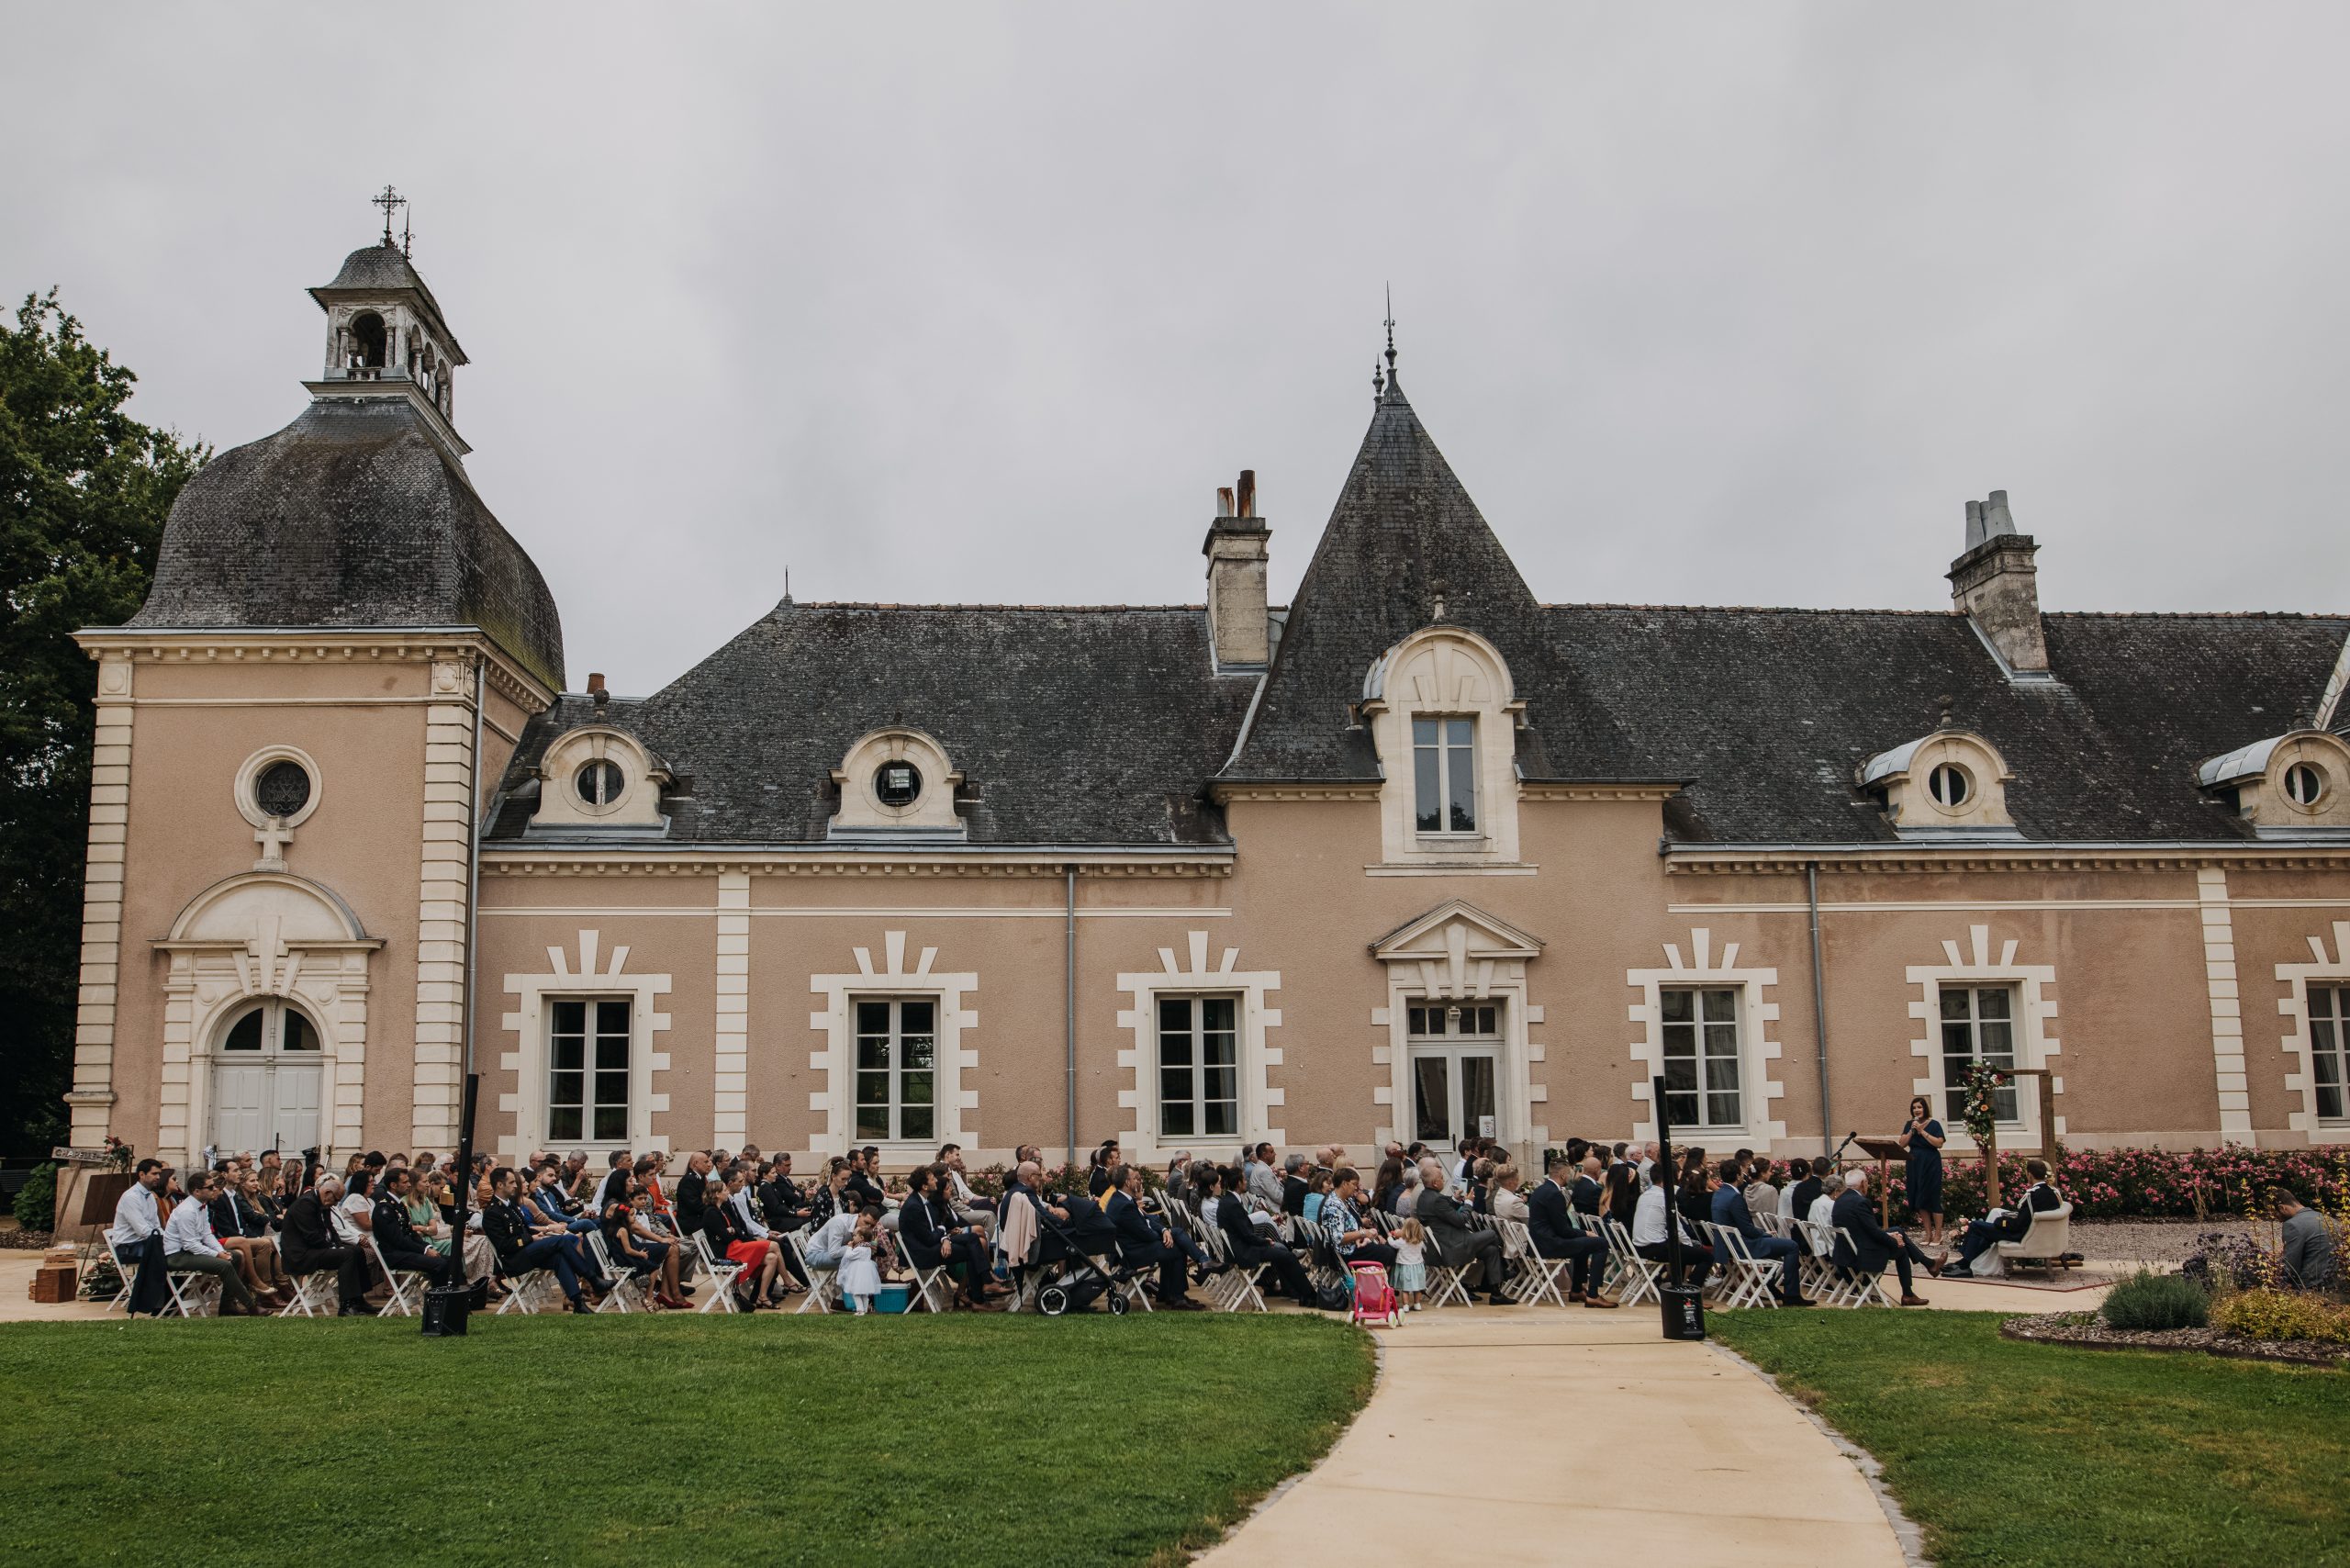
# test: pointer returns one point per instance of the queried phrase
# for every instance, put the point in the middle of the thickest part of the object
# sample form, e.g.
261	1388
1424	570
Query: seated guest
1251	1246
1143	1243
395	1236
1502	1196
1386	1184
1179	1179
191	1248
1694	1196
1762	1195
244	1229
634	1255
2308	1261
927	1232
312	1246
824	1203
135	1238
825	1244
554	1204
1476	1254
1583	1192
1805	1191
721	1228
1868	1245
668	1291
618	1166
865	1181
1260	1180
747	1223
1554	1234
785	1208
1318	1194
693	1191
1342	1218
2012	1225
1620	1201
969	1207
1097	1175
1296	1173
1731	1213
1653	1211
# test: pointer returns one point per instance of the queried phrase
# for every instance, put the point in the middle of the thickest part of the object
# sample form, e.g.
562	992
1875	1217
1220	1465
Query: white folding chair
1538	1277
823	1280
406	1285
933	1286
535	1290
1861	1286
1748	1280
1639	1276
314	1295
723	1273
1236	1286
1444	1280
624	1286
194	1294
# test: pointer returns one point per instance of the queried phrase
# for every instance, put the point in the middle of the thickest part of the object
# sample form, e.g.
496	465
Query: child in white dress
860	1282
1410	1263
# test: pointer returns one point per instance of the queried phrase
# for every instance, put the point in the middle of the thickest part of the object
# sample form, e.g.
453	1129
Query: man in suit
2308	1251
1477	1254
1556	1236
311	1246
1142	1242
927	1232
1251	1245
1808	1191
1982	1234
1294	1185
787	1208
522	1242
1585	1193
693	1193
1872	1245
1731	1212
397	1240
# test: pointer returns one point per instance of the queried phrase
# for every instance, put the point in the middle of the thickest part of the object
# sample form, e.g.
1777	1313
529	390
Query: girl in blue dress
1923	1138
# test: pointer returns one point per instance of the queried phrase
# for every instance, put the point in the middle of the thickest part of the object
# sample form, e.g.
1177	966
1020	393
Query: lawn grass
2018	1455
1079	1442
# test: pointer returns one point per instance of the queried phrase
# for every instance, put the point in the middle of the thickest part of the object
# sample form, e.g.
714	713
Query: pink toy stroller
1375	1298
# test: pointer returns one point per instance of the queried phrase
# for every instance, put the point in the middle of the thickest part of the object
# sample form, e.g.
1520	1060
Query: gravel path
2148	1240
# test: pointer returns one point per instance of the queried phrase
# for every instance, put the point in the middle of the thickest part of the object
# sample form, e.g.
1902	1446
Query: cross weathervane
389	200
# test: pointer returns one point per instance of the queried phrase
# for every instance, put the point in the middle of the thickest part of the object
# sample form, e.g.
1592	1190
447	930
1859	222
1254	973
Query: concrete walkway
1528	1434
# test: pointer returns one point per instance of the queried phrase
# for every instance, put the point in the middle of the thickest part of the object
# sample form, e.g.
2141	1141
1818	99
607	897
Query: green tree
84	488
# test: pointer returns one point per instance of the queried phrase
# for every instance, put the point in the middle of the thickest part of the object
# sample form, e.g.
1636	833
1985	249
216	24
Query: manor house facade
1417	855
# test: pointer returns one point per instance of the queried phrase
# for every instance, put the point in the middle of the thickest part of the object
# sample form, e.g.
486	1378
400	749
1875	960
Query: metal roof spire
1392	380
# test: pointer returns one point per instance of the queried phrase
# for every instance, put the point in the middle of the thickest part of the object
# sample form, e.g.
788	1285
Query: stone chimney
1236	548
1995	583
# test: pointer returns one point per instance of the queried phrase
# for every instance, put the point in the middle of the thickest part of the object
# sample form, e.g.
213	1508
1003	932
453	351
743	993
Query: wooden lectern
1885	1152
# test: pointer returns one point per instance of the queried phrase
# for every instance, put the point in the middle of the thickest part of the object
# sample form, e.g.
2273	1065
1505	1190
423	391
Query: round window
2304	782
897	783
283	788
1949	786
600	782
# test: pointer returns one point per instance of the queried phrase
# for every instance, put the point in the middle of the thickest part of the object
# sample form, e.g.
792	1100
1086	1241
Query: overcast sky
980	304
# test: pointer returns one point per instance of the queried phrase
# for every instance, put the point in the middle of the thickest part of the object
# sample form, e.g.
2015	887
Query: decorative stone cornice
1019	865
1220	791
1594	790
328	644
1779	860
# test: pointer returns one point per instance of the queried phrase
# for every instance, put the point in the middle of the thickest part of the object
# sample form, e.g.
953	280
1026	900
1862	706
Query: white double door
267	1081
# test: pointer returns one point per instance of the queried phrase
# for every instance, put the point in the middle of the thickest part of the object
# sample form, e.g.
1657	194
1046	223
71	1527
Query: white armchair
2048	1238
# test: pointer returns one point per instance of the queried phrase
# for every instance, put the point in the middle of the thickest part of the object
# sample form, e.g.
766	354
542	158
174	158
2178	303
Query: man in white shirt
825	1243
968	1207
1648	1238
136	1238
354	1217
190	1247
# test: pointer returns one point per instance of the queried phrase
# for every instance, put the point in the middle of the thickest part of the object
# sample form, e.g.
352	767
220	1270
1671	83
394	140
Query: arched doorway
266	1078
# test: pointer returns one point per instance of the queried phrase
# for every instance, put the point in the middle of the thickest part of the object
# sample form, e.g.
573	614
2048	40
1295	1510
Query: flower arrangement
1981	1108
117	1156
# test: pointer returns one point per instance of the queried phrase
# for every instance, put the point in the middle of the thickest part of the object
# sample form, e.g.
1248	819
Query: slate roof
1083	726
353	515
382	268
1106	725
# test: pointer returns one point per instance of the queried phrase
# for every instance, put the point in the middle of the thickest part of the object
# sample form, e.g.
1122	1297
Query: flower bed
2158	1184
2087	1330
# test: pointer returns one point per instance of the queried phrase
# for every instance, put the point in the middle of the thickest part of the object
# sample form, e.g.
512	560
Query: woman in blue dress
1923	1138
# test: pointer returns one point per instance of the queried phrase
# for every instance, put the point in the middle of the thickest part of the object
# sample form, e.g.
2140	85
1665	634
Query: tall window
897	1060
587	1072
1978	1024
1444	762
1199	1066
1701	1062
2329	1043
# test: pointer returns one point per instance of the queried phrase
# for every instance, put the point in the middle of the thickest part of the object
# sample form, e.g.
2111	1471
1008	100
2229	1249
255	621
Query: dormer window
896	784
600	782
2305	785
1444	753
2286	785
1949	786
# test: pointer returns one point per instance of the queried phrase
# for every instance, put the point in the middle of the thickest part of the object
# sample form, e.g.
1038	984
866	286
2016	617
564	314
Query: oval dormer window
1948	785
2305	784
599	782
897	783
283	788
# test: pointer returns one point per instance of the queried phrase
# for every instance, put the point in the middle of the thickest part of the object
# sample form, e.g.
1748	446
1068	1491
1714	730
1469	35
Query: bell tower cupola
385	337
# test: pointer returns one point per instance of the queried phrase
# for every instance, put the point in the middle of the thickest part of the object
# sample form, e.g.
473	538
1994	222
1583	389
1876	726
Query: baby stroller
1375	1298
1080	1278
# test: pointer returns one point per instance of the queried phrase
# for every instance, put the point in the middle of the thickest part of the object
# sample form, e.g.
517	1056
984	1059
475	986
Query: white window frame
1706	967
1197	1064
1941	1023
1453	1046
1975	963
834	1061
599	972
591	1033
2330	968
1195	971
895	1107
1449	752
2338	1016
1699	1025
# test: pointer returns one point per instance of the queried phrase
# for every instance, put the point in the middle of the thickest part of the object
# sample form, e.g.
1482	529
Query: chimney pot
1248	495
1224	501
1995	585
596	688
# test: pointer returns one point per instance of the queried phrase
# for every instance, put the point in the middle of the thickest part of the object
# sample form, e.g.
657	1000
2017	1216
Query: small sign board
81	1156
1486	1127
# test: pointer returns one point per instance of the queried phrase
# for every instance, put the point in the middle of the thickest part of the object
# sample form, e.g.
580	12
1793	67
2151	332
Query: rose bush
2162	1183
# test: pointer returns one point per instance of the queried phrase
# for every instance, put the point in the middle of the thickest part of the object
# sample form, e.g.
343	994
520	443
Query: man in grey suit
2309	1245
1455	1238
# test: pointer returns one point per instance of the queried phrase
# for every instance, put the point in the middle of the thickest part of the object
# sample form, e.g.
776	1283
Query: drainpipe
1068	1006
1818	1004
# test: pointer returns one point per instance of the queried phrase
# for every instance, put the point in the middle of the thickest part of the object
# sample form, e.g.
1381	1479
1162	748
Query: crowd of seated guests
256	1223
